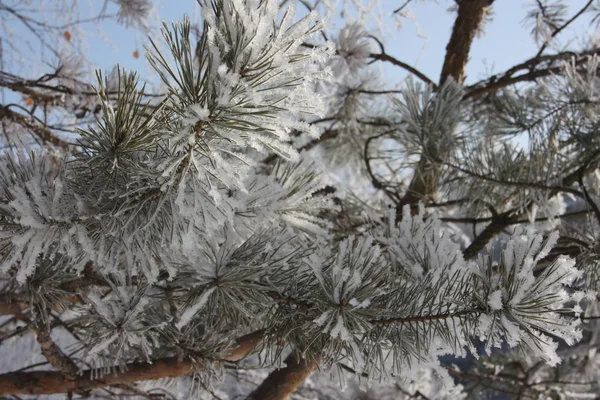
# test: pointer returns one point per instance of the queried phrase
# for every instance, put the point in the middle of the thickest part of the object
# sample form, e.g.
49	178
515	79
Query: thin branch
38	130
507	78
376	183
378	92
587	197
505	219
496	226
398	63
52	382
327	135
402	7
542	219
466	220
563	27
423	318
383	56
534	185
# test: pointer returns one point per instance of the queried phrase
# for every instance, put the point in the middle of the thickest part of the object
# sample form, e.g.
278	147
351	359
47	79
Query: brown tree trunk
467	24
469	18
283	382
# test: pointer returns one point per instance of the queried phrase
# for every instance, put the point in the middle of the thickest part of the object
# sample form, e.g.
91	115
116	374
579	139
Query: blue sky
506	41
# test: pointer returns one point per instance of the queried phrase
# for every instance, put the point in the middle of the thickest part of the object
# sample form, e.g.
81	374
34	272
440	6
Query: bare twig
38	130
551	66
423	318
383	56
563	27
402	7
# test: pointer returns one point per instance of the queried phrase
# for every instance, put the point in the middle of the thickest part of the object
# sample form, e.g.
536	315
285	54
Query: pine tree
191	231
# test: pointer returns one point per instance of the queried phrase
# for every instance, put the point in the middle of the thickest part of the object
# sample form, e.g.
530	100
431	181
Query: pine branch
501	221
17	306
180	177
52	382
555	189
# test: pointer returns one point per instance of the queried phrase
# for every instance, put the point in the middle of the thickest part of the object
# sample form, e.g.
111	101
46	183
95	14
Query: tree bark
467	24
52	382
281	383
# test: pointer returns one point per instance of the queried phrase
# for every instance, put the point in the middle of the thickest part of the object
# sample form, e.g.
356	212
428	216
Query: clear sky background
505	43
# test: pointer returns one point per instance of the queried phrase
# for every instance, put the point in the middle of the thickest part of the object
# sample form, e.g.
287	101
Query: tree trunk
467	24
469	18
